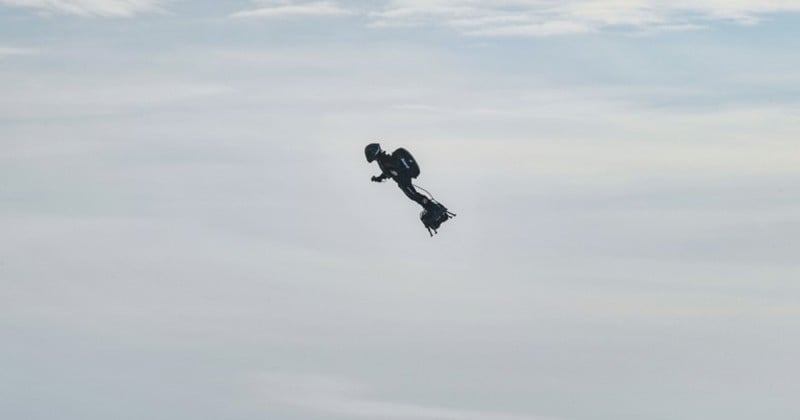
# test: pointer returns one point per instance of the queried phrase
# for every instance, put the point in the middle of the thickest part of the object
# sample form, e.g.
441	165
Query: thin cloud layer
534	18
12	51
187	212
285	9
340	397
88	8
549	17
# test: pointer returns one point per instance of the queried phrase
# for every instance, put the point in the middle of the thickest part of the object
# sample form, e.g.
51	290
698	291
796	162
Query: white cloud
69	96
340	397
543	29
523	18
98	8
9	51
533	18
289	10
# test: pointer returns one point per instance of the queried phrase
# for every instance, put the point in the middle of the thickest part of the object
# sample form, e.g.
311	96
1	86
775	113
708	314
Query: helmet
372	151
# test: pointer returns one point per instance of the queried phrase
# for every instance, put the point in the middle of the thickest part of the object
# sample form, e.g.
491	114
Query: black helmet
372	151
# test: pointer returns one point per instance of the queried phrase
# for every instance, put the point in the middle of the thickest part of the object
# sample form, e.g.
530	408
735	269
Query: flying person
402	167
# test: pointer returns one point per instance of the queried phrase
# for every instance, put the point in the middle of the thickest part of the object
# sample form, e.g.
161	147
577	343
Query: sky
189	230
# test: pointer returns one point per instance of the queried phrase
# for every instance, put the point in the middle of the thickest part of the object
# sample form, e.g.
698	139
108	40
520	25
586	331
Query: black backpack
407	161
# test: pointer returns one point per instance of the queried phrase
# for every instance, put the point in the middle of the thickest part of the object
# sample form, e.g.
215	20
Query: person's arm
385	166
380	177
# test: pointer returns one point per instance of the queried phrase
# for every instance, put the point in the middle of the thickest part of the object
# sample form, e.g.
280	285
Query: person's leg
412	193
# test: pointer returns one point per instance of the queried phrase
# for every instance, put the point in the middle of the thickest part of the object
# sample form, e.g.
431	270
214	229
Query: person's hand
377	179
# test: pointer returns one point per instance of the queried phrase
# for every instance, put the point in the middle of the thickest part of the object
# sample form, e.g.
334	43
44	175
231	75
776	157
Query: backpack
409	163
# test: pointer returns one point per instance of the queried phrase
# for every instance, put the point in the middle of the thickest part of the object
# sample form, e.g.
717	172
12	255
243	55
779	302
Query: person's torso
400	164
390	166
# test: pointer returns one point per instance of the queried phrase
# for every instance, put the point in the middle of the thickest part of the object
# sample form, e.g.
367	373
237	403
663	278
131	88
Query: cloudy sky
189	230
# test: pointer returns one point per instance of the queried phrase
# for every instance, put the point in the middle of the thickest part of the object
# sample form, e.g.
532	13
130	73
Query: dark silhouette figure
402	168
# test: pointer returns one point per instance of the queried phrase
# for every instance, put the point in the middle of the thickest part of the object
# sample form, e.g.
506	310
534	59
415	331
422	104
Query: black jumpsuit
391	167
